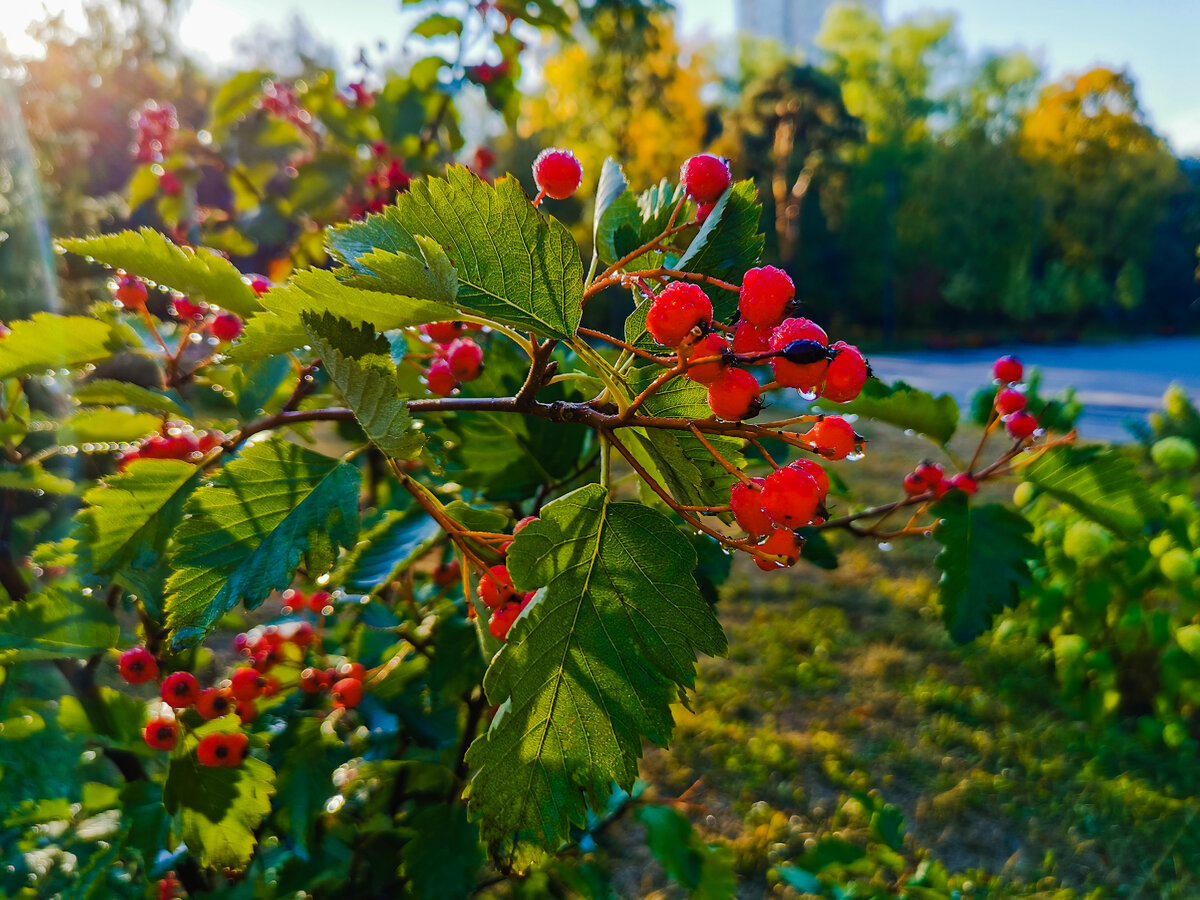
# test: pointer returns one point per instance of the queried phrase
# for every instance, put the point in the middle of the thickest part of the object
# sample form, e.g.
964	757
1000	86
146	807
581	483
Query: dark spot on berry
221	751
163	733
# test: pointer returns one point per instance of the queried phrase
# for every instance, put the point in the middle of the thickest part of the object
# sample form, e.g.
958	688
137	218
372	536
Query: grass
845	681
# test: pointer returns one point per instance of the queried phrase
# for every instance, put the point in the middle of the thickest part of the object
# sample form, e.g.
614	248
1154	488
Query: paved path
1115	382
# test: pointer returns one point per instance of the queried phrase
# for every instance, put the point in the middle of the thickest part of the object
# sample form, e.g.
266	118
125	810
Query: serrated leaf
360	363
53	625
591	668
97	426
387	550
430	276
904	407
443	856
201	274
280	329
244	536
514	265
33	477
1101	483
219	807
106	392
47	341
984	561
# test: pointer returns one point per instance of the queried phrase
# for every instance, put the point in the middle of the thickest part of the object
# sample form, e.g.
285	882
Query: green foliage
904	407
47	341
608	642
1102	484
243	536
54	625
705	871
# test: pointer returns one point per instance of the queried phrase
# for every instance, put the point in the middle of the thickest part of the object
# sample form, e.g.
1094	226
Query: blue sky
1154	39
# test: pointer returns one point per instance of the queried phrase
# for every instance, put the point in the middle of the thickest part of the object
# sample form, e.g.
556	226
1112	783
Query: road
1115	382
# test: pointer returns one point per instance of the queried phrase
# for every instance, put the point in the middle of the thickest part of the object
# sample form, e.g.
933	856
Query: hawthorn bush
376	581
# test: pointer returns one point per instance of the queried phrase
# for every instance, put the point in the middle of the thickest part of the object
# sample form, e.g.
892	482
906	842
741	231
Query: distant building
794	23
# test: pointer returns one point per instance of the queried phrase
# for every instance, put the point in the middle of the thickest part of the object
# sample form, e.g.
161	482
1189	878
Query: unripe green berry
1176	403
1086	542
1174	454
1160	544
1024	494
1178	566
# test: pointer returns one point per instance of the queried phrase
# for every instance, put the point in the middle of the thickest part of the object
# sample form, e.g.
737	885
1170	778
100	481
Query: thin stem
720	458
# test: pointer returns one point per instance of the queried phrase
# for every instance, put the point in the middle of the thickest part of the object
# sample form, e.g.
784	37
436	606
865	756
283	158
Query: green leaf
904	407
592	666
360	363
514	265
817	549
430	276
438	24
443	856
106	392
235	98
305	782
131	517
97	426
281	330
142	186
1101	483
611	186
388	549
118	718
202	274
219	807
727	244
244	536
984	561
33	477
53	625
47	341
704	871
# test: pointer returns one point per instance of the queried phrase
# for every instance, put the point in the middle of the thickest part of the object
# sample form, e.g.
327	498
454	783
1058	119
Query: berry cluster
497	593
225	327
771	509
154	127
279	100
930	478
455	358
484	74
389	180
176	440
557	173
1010	402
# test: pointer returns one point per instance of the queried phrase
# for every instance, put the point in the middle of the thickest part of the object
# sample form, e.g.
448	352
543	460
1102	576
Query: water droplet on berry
855	456
885	546
808	396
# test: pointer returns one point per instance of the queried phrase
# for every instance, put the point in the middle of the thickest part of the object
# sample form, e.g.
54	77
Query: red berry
703	211
465	358
790	497
170	184
260	284
272	687
226	327
161	734
185	308
447	574
914	484
749	338
676	311
1008	369
439	378
705	177
817	471
319	601
804	376
312	680
782	543
528	520
748	510
443	332
709	346
930	473
496	587
212	703
352	670
247	711
964	482
246	684
734	396
131	291
846	375
181	690
137	665
302	635
213	750
833	437
1009	401
557	173
765	295
347	692
502	620
1021	425
238	746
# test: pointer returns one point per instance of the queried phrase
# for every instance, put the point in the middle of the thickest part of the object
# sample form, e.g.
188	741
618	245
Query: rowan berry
833	437
226	327
352	670
312	680
181	690
735	396
783	543
347	692
161	734
678	309
447	574
846	375
212	703
705	177
964	482
247	711
765	296
703	211
186	309
496	587
302	635
557	173
790	497
1021	425
1009	401
803	376
930	473
170	184
707	347
1008	369
817	471
443	332
239	748
214	750
260	284
246	684
137	665
749	338
131	291
465	358
502	619
439	378
746	502
318	601
914	484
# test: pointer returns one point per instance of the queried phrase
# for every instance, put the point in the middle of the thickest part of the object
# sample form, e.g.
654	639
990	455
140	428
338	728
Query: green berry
1174	454
1024	494
1160	544
1178	566
1086	542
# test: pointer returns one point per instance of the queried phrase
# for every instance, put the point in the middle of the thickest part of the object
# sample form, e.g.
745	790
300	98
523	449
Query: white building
794	23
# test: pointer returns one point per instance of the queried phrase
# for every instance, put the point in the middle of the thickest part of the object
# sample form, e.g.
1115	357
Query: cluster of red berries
154	127
360	96
1010	402
557	173
930	478
176	441
279	99
226	327
455	358
497	593
169	184
318	603
384	185
266	648
771	509
344	683
484	74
